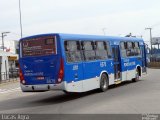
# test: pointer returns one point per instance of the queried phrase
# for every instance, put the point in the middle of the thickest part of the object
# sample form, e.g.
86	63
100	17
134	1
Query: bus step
117	81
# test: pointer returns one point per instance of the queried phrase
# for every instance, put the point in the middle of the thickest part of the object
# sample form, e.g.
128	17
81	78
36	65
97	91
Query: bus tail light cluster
21	76
61	71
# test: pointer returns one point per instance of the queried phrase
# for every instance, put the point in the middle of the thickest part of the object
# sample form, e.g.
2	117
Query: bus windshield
40	46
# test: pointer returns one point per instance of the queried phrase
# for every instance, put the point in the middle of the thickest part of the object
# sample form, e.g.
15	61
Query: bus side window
137	49
108	48
88	50
101	50
123	47
132	49
129	49
72	51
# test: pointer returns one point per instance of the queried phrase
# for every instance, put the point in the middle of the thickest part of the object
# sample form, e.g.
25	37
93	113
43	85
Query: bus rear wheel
104	83
136	76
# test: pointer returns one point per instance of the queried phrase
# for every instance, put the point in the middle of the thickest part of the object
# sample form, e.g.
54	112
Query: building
10	46
8	62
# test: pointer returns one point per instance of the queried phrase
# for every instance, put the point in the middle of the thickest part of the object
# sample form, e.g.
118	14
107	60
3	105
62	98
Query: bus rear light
61	71
59	80
23	81
21	76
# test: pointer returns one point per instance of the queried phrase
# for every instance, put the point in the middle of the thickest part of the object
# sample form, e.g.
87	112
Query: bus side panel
123	69
109	69
92	79
73	73
85	76
93	71
133	62
73	77
130	64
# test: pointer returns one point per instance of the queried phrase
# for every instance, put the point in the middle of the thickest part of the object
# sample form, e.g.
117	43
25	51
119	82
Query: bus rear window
40	46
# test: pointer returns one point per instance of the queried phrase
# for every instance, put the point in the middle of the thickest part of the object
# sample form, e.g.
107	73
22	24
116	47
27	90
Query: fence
154	65
153	61
9	76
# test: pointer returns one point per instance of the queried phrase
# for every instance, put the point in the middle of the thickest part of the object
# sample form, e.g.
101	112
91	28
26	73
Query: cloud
115	23
83	16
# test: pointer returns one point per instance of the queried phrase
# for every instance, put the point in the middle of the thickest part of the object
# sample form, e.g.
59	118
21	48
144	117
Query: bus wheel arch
139	70
137	74
104	81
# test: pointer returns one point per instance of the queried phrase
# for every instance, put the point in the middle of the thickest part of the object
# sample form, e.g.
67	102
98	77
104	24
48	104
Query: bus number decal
129	64
103	64
75	67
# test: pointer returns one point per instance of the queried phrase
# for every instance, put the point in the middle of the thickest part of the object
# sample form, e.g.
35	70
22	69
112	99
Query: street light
150	29
3	35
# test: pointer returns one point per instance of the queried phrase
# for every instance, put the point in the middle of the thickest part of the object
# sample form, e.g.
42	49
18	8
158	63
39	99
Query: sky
112	17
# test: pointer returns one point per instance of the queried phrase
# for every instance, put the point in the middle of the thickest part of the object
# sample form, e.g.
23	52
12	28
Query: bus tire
136	76
104	82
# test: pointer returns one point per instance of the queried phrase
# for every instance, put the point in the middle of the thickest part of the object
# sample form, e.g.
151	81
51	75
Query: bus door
143	55
116	63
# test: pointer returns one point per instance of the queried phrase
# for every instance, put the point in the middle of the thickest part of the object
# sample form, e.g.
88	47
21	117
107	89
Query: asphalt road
128	98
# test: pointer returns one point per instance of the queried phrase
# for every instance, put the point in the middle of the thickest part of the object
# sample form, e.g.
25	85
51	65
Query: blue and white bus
79	63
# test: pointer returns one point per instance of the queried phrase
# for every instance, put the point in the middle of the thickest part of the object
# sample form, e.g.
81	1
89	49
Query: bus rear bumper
41	88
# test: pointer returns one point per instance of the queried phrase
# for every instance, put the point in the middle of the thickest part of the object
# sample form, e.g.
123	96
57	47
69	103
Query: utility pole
3	35
150	29
20	18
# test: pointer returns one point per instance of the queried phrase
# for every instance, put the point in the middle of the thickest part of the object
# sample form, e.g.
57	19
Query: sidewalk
7	82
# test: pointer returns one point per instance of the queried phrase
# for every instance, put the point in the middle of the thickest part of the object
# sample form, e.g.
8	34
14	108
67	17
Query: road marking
9	90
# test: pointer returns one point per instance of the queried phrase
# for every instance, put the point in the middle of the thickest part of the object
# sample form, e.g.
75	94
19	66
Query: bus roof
87	37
